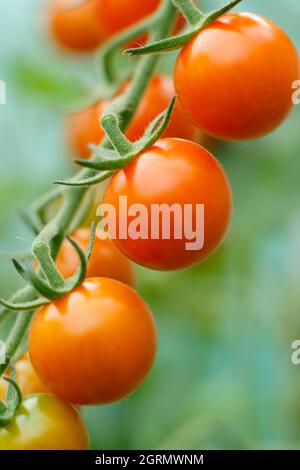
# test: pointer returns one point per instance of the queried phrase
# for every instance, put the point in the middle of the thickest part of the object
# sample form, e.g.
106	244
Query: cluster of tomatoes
96	344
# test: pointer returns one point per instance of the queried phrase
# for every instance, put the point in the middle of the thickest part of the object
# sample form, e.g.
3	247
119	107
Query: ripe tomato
173	171
233	80
26	378
94	345
83	128
44	422
106	260
115	15
74	24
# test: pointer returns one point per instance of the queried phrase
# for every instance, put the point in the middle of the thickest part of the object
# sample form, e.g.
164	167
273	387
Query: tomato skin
116	15
44	422
26	378
105	261
74	25
233	80
155	100
83	128
94	345
173	171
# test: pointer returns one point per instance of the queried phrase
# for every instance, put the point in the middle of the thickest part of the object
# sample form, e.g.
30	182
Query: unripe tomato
44	422
26	378
234	79
94	345
179	172
84	128
74	24
105	261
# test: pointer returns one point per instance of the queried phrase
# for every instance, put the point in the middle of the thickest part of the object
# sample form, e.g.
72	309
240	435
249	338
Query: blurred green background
223	376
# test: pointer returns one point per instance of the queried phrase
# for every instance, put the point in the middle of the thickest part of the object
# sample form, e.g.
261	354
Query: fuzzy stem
190	11
54	231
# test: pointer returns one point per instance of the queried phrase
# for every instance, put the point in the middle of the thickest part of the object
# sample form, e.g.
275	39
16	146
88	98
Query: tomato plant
233	80
94	345
105	261
44	422
94	341
74	24
84	128
172	171
26	378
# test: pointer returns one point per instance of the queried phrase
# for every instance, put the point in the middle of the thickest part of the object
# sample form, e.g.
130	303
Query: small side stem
110	124
190	11
53	232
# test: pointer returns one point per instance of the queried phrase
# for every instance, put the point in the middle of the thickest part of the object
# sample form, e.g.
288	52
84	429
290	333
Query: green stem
190	11
110	124
15	337
54	231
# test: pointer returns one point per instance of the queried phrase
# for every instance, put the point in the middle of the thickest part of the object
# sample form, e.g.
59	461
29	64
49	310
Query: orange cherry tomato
44	422
74	24
179	172
234	79
156	99
116	15
105	261
26	378
84	128
96	344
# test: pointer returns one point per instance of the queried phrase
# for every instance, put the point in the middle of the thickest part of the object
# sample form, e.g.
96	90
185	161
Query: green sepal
90	181
84	257
25	306
13	402
177	42
109	159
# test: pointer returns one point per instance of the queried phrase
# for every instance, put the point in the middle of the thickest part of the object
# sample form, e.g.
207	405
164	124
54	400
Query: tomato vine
114	153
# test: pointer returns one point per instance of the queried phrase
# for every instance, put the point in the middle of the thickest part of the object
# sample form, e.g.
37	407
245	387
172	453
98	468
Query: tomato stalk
13	400
191	13
124	153
177	42
121	111
47	243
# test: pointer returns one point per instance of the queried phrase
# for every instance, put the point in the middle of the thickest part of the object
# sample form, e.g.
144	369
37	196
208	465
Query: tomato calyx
10	406
48	289
197	21
124	151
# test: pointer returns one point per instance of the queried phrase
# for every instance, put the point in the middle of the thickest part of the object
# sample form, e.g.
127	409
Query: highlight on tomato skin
84	128
105	261
172	173
234	79
74	24
44	422
106	330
